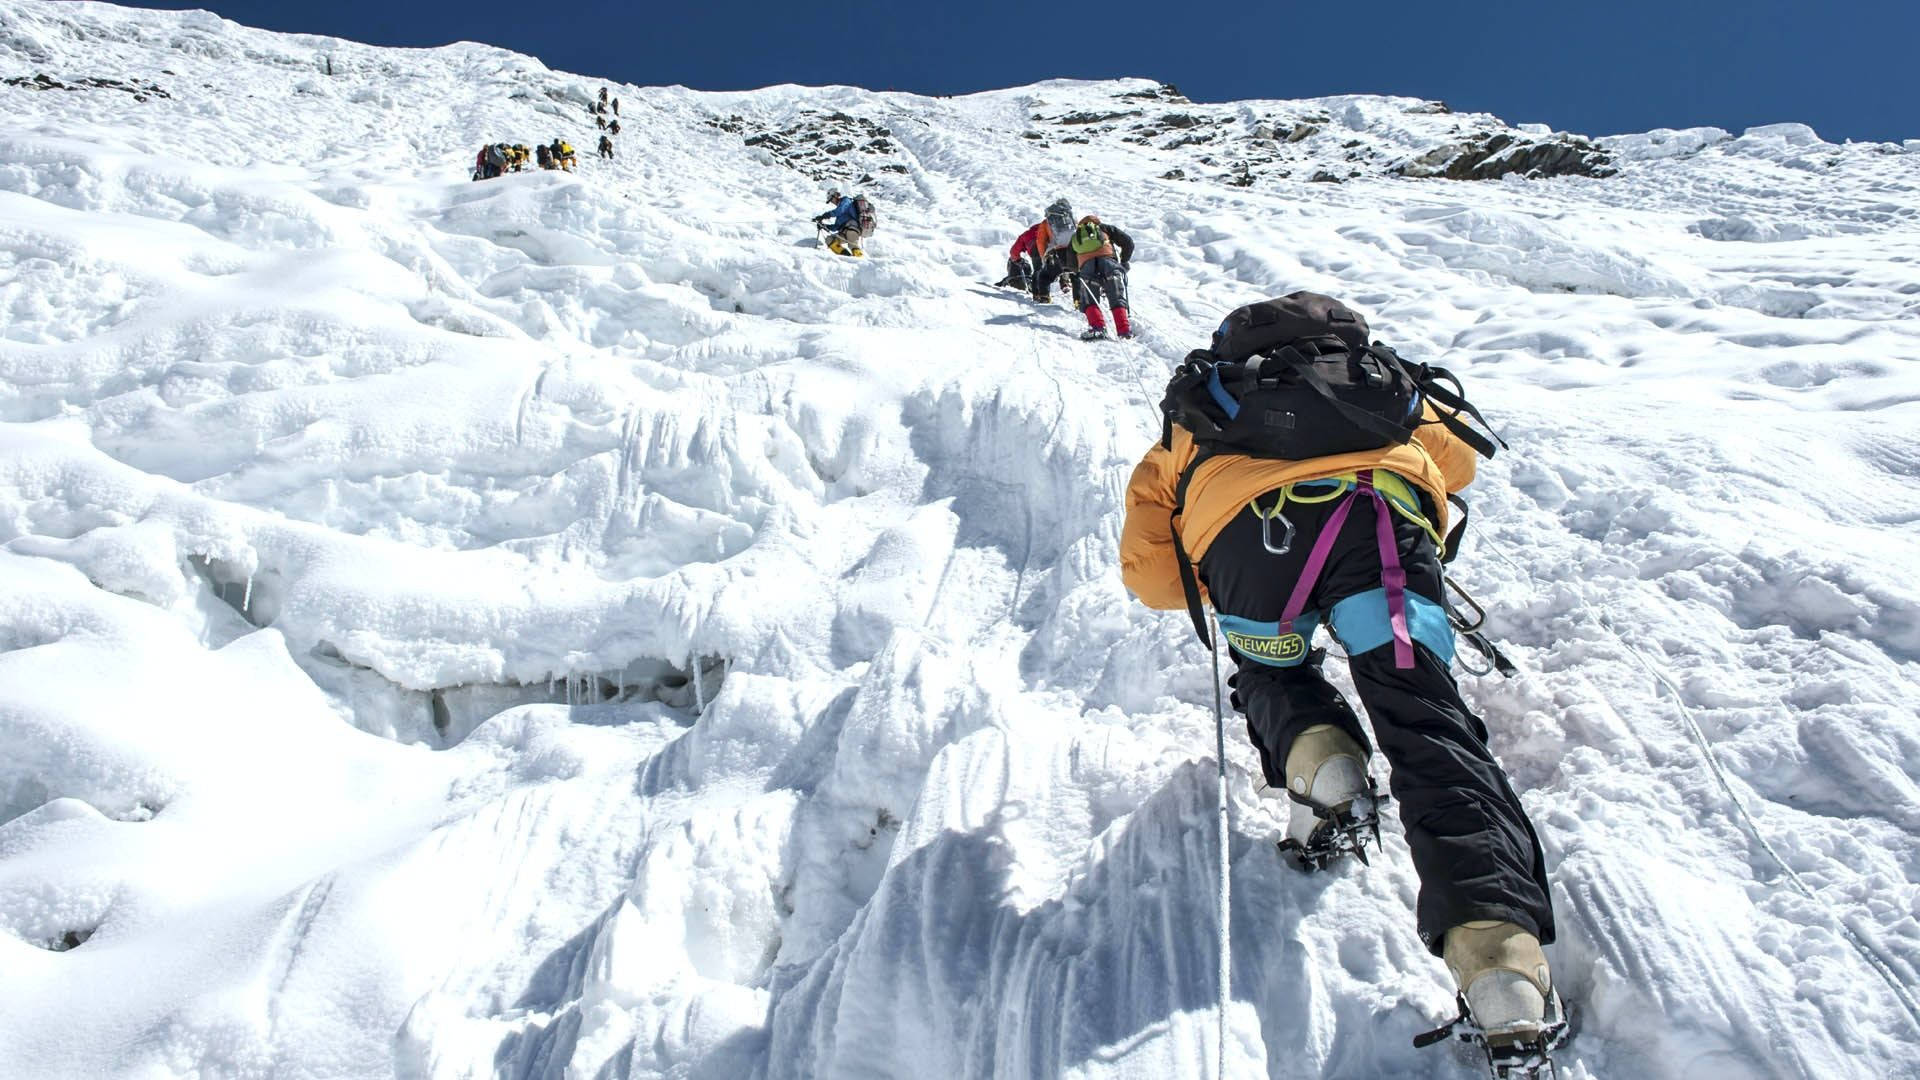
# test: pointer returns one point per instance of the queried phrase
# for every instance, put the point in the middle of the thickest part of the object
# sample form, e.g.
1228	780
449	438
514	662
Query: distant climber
562	153
1023	259
543	156
616	106
606	147
613	128
603	95
849	222
600	121
1102	272
1293	486
491	161
1052	237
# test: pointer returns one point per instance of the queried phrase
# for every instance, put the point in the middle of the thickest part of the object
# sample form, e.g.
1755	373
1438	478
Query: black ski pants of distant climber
1019	274
1473	846
1054	263
1105	276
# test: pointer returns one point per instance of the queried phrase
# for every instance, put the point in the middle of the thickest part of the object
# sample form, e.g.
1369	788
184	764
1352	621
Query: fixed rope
1225	898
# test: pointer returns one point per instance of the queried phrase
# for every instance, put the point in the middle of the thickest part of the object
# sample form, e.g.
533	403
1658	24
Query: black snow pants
1019	273
1054	263
1105	276
1473	846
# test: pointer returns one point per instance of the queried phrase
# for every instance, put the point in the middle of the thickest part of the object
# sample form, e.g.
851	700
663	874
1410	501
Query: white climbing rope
1224	912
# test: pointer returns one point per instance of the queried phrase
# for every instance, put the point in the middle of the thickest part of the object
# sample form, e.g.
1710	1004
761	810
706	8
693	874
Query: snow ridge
572	625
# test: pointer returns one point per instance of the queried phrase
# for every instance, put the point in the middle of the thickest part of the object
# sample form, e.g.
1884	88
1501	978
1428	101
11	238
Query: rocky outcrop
1164	92
1492	155
43	81
1083	117
824	146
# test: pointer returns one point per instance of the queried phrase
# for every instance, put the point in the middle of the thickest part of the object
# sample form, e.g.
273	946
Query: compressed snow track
570	625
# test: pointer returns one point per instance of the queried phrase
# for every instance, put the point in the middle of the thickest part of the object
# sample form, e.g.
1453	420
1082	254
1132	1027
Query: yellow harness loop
1398	493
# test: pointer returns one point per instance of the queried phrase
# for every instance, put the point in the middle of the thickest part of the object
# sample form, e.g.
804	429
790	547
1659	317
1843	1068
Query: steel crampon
1528	1057
1339	833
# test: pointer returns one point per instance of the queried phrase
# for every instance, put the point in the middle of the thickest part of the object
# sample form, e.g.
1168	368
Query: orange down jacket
1435	461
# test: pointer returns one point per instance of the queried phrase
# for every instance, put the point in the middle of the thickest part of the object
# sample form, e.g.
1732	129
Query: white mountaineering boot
1326	775
1502	972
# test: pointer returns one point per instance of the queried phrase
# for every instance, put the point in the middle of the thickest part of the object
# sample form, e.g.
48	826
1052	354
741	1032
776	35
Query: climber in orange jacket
1351	537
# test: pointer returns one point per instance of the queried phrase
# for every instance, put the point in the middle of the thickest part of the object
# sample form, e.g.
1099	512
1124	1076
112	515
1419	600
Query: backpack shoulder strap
1189	579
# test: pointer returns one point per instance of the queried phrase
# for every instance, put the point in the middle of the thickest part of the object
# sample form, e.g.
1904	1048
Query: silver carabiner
1266	533
1460	657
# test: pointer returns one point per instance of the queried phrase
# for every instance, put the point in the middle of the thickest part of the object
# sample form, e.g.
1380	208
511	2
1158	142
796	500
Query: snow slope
570	625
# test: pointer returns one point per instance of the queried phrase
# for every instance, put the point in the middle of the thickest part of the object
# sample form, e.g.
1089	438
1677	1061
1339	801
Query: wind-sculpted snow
572	625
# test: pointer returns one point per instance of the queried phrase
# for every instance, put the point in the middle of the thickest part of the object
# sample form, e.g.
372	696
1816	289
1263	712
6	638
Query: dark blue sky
1848	67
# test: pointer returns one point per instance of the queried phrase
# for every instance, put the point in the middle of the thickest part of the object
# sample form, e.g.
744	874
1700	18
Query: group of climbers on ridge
1091	254
497	159
610	128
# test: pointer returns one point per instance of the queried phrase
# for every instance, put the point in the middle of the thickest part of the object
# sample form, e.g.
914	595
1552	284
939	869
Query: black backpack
1297	378
863	213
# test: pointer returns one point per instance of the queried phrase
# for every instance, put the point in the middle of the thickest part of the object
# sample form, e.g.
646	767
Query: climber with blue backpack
849	222
1303	479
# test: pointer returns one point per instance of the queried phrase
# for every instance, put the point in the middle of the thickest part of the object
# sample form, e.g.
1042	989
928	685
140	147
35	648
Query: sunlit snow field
571	625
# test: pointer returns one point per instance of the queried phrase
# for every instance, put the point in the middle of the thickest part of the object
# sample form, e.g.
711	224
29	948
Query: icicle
699	691
620	684
246	596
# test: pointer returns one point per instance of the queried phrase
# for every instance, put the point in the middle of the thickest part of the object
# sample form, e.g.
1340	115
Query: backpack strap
1195	369
1451	546
1430	381
1454	402
1360	417
1189	581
